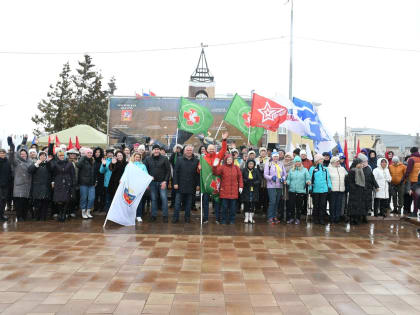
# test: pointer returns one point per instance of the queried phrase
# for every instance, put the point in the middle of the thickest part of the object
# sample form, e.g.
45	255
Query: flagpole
217	132
289	133
249	133
201	208
106	219
176	137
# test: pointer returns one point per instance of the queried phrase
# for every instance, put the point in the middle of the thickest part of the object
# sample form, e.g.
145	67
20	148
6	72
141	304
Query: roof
88	136
398	141
372	131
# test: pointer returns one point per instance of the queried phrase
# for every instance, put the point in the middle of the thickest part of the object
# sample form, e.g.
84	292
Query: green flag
239	116
209	183
194	118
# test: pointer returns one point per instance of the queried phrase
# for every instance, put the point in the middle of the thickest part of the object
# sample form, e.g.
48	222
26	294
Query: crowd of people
53	182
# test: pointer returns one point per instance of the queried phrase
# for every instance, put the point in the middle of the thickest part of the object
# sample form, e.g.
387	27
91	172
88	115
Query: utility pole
289	134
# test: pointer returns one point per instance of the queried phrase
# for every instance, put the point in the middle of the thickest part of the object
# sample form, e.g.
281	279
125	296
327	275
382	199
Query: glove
240	190
274	178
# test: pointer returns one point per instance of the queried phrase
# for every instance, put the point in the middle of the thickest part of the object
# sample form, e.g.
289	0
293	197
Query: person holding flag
211	158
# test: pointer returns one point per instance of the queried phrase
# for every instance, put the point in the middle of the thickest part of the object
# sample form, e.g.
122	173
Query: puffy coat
186	175
307	164
230	180
337	175
117	170
397	172
270	171
254	183
23	179
87	175
104	169
159	168
5	177
383	178
297	178
63	174
320	179
41	181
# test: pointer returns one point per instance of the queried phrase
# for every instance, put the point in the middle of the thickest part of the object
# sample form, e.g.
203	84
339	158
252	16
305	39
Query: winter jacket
117	170
337	175
270	170
87	176
397	172
373	162
185	175
5	177
41	181
383	179
158	167
307	164
297	179
230	180
251	184
413	168
23	179
219	155
320	179
63	173
104	169
261	166
99	177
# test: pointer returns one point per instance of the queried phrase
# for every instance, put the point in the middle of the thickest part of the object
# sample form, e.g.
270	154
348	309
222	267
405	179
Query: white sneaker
84	216
251	218
139	219
88	214
246	217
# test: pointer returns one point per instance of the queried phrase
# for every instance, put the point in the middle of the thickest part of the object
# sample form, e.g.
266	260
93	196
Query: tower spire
202	72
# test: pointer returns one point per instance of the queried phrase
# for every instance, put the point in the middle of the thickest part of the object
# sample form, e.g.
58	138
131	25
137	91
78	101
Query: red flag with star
266	113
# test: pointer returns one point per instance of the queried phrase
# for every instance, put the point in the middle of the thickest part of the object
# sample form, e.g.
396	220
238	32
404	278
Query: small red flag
70	145
358	147
266	113
346	154
138	96
77	143
57	142
151	93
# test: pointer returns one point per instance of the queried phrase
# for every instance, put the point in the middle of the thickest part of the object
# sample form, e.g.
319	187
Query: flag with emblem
239	116
194	118
266	113
209	183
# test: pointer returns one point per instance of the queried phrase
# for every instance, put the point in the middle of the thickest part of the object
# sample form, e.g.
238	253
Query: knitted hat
73	151
395	159
262	149
156	146
318	157
32	151
274	153
251	152
141	147
297	159
362	157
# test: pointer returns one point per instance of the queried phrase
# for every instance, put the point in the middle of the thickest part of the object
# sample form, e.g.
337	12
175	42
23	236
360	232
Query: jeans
319	207
397	196
336	205
274	196
295	205
216	206
186	200
155	192
140	207
228	211
87	197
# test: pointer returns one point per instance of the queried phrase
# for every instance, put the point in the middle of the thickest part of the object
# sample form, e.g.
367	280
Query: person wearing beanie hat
297	180
320	187
397	171
275	175
33	156
141	149
338	188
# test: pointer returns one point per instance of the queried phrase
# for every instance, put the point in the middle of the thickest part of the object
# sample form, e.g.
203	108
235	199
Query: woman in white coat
337	174
383	178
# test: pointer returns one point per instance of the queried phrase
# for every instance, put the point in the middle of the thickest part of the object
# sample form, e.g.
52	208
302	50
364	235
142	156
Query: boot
251	218
84	215
246	217
88	214
62	215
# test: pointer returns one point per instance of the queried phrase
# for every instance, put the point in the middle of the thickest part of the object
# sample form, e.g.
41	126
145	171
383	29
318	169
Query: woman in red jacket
230	184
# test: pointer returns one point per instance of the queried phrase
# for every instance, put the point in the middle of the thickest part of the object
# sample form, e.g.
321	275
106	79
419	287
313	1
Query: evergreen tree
54	109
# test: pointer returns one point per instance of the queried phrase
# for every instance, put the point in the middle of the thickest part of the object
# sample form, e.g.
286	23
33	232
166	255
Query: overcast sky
375	88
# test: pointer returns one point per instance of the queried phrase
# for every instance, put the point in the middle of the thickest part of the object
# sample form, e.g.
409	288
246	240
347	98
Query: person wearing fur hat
33	155
87	181
41	186
20	163
297	180
252	182
5	182
275	174
320	187
338	188
251	156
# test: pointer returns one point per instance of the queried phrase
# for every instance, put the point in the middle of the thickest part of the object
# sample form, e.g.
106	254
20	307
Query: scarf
359	177
278	169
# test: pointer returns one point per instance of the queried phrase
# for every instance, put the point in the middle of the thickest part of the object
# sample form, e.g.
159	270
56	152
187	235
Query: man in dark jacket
186	181
5	181
159	168
87	181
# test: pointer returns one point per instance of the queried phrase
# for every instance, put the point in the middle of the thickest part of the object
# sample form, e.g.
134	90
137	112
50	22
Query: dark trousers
380	206
263	199
3	202
21	206
407	203
186	201
100	198
320	205
216	207
397	193
41	209
140	207
336	205
415	197
250	204
295	205
228	211
305	205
